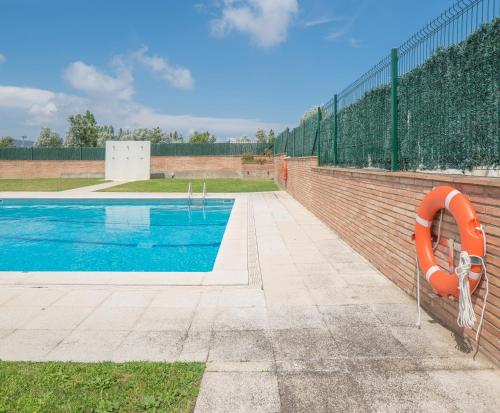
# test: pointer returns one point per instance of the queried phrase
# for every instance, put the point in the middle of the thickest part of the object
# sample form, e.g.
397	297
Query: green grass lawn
181	185
98	387
48	184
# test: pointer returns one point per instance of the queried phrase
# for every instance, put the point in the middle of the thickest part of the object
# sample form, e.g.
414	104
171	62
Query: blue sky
228	66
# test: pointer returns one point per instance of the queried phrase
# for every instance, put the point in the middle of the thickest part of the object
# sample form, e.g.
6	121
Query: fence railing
432	103
166	149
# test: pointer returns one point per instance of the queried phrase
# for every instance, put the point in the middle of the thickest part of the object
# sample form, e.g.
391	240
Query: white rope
466	316
485	299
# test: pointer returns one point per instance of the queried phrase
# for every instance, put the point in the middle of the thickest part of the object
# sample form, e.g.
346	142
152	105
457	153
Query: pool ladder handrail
190	190
204	190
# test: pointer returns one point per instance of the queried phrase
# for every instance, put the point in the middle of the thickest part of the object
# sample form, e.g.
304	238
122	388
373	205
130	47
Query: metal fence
432	103
208	149
56	154
166	149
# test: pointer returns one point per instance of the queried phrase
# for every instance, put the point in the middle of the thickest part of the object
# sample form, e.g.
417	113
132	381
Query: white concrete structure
127	160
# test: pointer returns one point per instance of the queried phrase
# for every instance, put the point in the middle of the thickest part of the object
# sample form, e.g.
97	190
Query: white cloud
25	110
176	76
266	21
355	43
88	79
2	58
320	21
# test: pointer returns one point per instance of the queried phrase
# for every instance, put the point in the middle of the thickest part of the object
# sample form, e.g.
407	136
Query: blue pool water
111	235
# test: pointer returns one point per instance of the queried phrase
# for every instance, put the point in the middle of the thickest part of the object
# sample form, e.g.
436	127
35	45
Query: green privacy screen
167	149
433	103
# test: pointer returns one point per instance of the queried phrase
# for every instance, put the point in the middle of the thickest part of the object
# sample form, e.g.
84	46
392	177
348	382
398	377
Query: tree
105	133
7	142
82	131
271	137
203	137
48	139
261	136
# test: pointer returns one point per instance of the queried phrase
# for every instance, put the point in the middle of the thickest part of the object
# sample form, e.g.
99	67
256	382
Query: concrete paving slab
298	317
304	344
240	346
88	346
320	392
150	345
12	318
30	344
241	318
59	318
164	318
196	346
234	392
112	318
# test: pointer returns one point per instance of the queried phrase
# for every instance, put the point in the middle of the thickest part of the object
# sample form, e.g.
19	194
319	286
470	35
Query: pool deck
313	327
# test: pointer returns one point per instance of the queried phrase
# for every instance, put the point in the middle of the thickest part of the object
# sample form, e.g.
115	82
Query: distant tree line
83	131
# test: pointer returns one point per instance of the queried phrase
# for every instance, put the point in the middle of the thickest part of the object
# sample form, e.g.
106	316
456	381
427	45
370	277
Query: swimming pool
160	235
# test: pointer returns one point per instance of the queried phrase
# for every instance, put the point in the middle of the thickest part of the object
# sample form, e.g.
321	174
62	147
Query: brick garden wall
182	166
375	213
50	169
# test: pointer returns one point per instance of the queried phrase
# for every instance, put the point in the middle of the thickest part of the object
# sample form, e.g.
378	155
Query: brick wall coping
427	176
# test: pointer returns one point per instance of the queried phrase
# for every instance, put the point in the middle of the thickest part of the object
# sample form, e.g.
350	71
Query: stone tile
241	297
284	318
88	346
209	297
129	299
165	318
393	391
467	398
203	319
30	344
112	318
82	298
7	293
326	366
150	345
179	297
5	333
293	294
307	344
367	341
240	346
399	314
332	295
241	318
320	392
58	318
36	297
387	294
17	317
234	392
432	340
349	314
196	346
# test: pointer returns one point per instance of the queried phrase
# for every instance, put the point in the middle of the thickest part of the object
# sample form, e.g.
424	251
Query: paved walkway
326	333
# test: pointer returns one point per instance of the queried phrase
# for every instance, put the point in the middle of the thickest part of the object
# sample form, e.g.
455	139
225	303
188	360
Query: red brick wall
210	167
187	166
50	169
375	213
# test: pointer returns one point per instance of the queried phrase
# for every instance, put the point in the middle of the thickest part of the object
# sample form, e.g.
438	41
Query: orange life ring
471	237
284	171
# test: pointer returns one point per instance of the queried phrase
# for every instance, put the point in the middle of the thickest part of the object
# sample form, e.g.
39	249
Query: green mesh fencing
209	149
300	141
448	114
55	154
433	103
170	149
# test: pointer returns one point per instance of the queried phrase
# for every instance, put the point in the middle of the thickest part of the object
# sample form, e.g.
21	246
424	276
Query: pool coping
230	267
